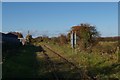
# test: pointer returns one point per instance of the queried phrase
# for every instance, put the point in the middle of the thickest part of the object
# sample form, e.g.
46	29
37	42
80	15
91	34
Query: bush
105	47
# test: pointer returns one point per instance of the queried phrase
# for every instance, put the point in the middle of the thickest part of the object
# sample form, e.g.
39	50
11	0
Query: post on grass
73	40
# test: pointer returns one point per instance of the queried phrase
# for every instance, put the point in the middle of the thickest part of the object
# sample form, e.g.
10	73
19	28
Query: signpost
72	44
73	39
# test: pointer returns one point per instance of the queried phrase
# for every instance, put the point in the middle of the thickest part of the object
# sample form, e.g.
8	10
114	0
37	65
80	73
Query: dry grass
99	65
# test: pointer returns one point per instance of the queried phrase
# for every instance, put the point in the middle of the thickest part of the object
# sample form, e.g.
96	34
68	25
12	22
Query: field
36	61
102	66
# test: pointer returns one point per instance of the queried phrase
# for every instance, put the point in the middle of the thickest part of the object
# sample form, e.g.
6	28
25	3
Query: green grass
103	66
22	63
28	62
64	70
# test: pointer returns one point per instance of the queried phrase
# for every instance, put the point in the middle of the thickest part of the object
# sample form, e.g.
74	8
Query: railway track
69	71
51	66
72	64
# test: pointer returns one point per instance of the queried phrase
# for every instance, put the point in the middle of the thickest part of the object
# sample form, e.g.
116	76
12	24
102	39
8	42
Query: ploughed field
50	61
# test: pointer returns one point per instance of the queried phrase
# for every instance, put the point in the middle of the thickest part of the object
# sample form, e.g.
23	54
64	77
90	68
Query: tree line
87	37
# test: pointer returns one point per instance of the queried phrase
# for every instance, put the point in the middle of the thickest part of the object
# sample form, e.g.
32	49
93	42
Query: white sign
73	39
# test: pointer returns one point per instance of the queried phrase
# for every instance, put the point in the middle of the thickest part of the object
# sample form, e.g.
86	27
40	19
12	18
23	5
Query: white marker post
73	40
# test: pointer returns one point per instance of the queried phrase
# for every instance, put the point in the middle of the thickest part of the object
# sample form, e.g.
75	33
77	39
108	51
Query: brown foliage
63	39
86	35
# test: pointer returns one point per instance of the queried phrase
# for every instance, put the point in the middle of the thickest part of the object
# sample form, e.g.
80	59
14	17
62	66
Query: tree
38	39
17	34
45	38
29	38
20	35
63	39
55	40
86	35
